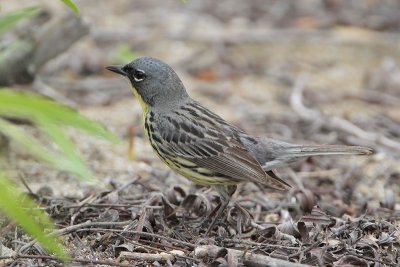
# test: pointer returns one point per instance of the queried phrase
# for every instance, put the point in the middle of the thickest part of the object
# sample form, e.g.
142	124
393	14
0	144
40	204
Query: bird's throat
145	107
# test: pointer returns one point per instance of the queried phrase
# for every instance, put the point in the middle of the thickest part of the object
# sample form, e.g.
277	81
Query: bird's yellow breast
182	166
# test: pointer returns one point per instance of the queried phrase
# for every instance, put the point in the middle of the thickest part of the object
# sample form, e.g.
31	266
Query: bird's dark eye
139	75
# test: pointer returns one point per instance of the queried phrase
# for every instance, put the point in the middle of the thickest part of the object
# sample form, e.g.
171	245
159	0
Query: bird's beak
117	69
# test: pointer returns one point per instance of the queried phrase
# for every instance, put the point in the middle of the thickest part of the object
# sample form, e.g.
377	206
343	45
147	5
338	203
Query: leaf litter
339	212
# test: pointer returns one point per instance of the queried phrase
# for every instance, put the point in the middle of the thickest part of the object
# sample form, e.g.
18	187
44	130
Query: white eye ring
139	75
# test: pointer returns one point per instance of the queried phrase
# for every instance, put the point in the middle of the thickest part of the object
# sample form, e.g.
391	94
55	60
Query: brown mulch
312	226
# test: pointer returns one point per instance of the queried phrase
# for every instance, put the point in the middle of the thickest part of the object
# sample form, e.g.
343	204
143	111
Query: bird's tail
272	154
292	153
315	150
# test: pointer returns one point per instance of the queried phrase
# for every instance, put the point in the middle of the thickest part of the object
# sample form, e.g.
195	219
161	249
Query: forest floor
298	71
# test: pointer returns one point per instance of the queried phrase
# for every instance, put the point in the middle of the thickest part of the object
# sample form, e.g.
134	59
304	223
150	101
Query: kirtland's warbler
200	145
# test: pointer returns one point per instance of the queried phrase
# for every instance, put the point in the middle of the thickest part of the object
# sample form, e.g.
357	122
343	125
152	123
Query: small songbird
203	147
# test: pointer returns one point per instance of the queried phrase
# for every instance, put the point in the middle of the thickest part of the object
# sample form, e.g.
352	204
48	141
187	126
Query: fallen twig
174	253
126	255
144	234
248	259
73	228
258	245
46	257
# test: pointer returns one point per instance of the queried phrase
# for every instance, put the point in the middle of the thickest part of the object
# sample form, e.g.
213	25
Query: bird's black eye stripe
139	75
127	68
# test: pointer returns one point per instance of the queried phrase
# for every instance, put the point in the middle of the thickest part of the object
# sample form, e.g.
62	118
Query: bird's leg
225	191
221	208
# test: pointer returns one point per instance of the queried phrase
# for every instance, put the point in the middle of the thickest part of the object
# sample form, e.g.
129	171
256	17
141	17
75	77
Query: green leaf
72	161
59	161
35	108
10	19
49	116
24	211
71	5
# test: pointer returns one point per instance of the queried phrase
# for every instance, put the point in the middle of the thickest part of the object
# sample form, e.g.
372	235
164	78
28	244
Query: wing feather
212	146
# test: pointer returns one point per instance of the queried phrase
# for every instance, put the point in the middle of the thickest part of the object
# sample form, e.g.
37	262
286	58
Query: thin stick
144	234
248	259
46	257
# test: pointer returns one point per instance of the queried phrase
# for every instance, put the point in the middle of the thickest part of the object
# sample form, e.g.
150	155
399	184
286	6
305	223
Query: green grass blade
50	116
33	107
10	19
22	210
59	161
19	136
71	5
67	149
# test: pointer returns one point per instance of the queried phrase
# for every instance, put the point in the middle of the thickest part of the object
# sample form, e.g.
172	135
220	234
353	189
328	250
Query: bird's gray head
154	82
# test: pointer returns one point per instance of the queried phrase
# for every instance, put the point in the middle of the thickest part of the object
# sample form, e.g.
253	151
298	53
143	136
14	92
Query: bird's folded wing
209	147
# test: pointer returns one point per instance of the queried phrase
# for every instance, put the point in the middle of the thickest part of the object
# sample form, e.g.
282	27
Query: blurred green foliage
123	54
71	5
10	19
50	118
24	211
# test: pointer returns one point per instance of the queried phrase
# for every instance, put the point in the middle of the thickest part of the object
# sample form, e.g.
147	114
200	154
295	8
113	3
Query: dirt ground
299	71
